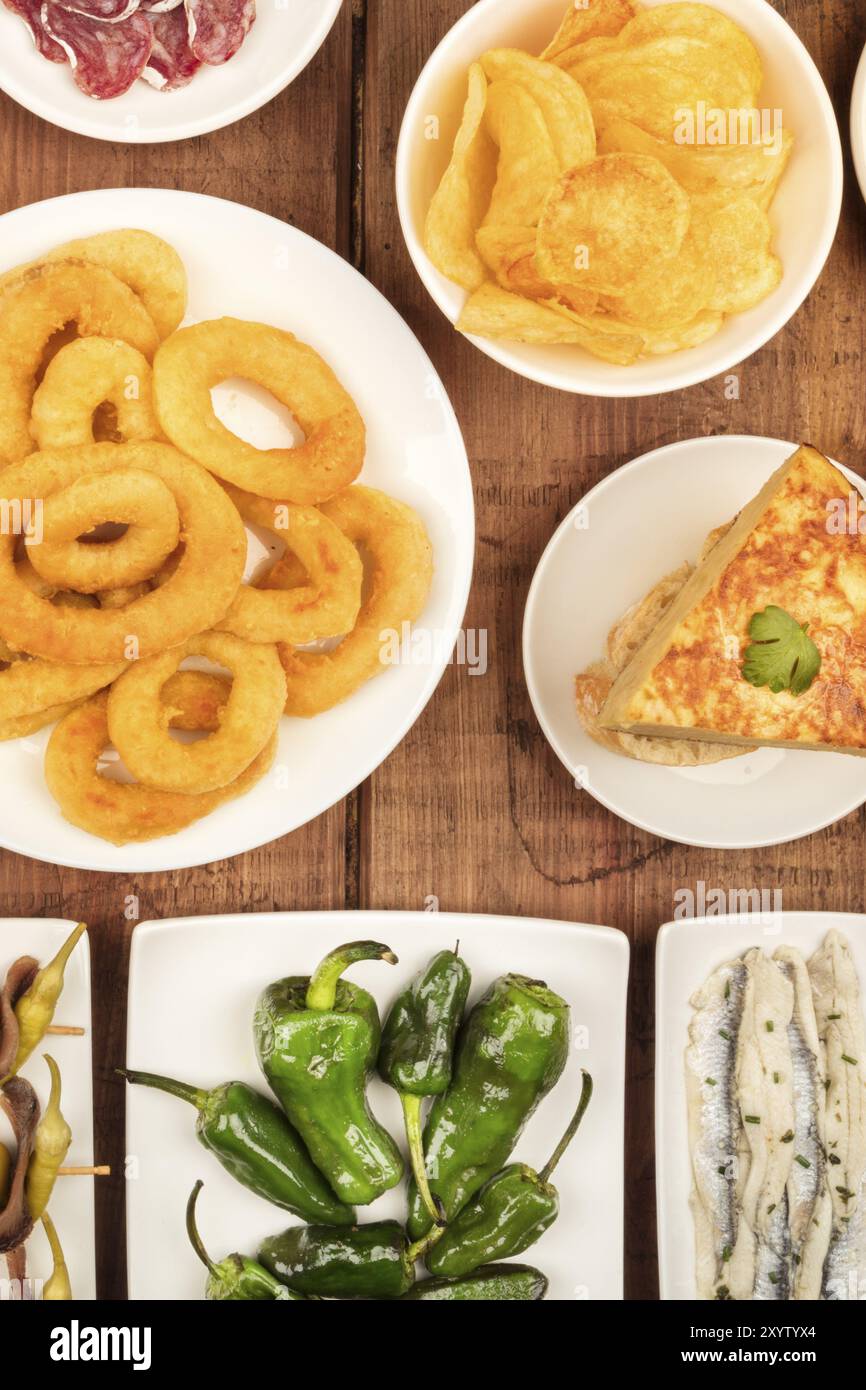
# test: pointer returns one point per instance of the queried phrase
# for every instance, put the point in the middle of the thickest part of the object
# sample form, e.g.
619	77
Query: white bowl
858	123
805	213
283	40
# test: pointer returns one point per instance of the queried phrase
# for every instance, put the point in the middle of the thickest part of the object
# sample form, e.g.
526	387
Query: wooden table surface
473	808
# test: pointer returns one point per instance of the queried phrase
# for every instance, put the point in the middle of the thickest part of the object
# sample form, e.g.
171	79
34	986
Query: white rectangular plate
192	989
72	1203
687	953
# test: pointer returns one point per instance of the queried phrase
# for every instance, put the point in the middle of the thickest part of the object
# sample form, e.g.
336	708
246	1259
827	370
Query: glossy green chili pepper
235	1279
375	1261
510	1213
417	1049
493	1283
254	1142
317	1039
510	1053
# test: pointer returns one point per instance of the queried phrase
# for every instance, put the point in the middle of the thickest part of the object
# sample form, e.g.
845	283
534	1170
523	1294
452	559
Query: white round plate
244	264
858	123
636	526
283	40
805	212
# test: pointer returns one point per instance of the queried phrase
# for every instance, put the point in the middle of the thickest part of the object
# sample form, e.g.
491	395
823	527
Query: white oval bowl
805	212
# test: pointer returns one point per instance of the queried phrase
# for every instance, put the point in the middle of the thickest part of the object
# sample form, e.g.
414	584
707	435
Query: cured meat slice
31	12
19	1101
108	11
217	28
172	63
106	58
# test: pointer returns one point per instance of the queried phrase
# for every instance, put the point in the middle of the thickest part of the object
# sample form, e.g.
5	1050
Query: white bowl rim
858	123
618	387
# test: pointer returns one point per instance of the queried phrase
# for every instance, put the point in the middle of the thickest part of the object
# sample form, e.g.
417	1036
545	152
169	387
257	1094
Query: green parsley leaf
782	655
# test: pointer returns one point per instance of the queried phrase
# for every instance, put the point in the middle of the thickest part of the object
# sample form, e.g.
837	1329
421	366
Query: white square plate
72	1202
192	989
687	953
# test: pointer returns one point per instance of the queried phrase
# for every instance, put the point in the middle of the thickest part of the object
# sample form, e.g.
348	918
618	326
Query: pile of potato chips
613	192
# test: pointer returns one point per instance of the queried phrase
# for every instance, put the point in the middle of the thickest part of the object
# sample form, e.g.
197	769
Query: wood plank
293	160
493	819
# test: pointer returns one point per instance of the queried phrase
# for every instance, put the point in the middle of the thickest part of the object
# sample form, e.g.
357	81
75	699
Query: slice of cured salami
172	63
31	12
106	58
217	28
109	11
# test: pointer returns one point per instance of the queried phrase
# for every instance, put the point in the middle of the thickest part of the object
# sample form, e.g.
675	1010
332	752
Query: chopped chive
726	1254
788	1138
723	1033
776	1078
852	1061
728	990
771	1209
770	1026
835	1159
845	1194
803	1162
834	1016
710	1081
753	1120
774	1278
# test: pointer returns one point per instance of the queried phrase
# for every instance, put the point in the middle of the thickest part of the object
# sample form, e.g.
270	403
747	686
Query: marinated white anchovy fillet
716	1141
839	1014
765	1093
810	1210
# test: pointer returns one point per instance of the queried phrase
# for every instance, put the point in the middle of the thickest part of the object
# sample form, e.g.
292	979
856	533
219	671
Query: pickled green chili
35	1009
50	1147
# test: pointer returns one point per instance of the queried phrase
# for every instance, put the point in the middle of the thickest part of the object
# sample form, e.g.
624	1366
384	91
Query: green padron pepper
510	1213
510	1053
236	1279
417	1049
317	1039
375	1261
492	1284
254	1142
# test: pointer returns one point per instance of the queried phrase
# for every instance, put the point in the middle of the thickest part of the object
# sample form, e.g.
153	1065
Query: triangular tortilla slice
796	545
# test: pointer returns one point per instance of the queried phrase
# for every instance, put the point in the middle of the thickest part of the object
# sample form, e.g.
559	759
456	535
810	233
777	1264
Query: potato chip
464	193
562	102
528	166
492	312
705	325
604	223
751	169
655	82
604	337
698	22
737	237
591	20
668	296
590	48
509	252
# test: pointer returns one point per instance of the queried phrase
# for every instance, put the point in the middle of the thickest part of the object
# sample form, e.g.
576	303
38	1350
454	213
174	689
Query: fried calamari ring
85	375
138	719
193	361
130	496
401	571
122	812
327	603
144	262
36	306
197	594
28	687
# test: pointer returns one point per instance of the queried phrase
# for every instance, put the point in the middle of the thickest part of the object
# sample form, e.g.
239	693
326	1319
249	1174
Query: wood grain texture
473	808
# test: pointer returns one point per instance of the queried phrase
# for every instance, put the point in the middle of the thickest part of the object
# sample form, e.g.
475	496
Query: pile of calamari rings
126	505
